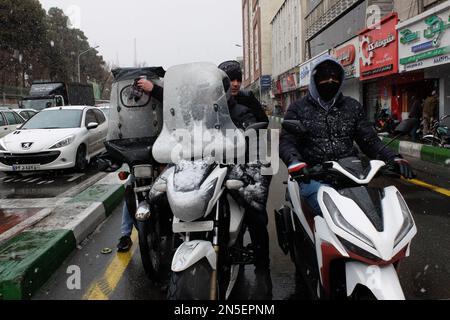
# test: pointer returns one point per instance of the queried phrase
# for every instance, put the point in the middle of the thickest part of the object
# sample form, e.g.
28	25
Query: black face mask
328	91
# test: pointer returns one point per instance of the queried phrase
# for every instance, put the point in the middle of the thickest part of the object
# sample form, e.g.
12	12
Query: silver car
9	120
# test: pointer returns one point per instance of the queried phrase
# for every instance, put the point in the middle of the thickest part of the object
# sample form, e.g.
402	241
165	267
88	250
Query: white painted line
34	180
50	182
42	182
82	186
25	224
18	180
75	177
26	180
86	222
8	180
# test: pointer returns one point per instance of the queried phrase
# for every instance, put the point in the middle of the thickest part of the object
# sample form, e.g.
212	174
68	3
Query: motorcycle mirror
294	127
405	126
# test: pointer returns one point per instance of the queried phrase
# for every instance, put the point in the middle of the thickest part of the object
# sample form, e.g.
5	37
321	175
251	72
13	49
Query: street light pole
79	69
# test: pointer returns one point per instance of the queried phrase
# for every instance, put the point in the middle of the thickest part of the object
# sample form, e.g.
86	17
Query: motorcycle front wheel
151	249
192	283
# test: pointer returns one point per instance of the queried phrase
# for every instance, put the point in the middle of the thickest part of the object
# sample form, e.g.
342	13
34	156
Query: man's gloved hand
299	171
403	168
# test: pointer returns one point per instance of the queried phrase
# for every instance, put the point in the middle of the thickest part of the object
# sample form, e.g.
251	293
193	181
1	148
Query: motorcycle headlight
63	143
340	221
191	206
408	222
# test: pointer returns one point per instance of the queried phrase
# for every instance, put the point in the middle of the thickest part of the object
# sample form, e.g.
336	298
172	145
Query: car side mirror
92	125
294	127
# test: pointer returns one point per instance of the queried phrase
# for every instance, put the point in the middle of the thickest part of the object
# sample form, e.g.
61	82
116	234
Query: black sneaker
125	244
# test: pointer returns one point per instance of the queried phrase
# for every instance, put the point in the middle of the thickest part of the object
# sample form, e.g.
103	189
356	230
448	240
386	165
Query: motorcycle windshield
129	117
197	122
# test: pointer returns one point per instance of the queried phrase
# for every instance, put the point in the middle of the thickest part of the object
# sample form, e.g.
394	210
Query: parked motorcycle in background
135	122
440	133
384	122
352	249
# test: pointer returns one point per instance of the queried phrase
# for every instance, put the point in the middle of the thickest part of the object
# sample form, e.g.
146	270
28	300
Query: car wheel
81	162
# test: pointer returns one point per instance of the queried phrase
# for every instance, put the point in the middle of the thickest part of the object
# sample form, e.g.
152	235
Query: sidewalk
29	256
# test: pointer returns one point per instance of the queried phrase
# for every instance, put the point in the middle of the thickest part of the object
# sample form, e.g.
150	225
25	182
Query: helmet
233	69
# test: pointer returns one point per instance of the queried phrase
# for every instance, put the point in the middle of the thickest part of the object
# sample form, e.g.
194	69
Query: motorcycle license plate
26	167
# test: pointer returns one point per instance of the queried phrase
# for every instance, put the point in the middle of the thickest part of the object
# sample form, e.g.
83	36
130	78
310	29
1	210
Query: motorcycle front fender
189	253
382	281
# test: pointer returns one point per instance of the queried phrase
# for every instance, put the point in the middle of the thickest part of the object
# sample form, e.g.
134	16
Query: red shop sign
379	49
346	55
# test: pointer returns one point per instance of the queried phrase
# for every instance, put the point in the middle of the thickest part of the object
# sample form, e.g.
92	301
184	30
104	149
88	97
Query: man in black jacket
332	123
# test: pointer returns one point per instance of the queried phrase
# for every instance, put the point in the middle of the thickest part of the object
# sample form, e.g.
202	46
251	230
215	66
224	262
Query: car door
102	129
92	134
13	120
4	128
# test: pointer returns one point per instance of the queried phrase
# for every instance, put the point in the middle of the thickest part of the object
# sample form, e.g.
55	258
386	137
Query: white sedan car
56	138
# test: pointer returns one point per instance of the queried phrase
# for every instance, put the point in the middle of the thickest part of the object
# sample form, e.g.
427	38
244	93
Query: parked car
26	114
56	138
9	120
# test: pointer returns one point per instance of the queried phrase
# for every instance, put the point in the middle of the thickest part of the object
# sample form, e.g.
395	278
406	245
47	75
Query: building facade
287	52
257	36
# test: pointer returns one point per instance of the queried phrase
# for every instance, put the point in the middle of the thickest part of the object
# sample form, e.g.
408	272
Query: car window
10	117
55	119
2	120
100	116
19	119
90	117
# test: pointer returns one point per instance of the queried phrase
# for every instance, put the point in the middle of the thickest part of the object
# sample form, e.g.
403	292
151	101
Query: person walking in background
415	113
430	107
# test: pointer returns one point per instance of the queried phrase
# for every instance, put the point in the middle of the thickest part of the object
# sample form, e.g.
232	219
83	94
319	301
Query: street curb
29	259
420	151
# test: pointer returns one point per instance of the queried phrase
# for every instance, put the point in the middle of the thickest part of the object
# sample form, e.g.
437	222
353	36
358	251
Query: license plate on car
26	167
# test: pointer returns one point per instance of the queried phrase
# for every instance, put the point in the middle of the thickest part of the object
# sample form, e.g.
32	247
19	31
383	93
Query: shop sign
379	49
266	82
348	55
305	70
425	40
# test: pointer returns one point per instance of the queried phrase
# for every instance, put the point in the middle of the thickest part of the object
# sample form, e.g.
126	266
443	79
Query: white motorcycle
353	248
209	221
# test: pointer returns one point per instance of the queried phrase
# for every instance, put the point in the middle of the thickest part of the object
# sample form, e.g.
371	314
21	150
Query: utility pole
79	68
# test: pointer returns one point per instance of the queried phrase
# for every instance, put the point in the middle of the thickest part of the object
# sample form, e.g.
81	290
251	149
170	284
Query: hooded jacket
331	129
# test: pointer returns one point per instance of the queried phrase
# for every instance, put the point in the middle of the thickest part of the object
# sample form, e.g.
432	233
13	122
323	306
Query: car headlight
63	143
340	221
2	148
408	222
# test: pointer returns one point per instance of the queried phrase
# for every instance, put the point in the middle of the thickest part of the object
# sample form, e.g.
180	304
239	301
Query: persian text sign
425	40
379	49
348	55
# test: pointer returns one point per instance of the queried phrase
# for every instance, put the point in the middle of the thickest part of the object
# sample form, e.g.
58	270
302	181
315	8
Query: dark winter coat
248	99
331	130
240	114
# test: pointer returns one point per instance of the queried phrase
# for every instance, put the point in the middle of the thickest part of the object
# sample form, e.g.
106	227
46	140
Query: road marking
105	286
440	190
42	182
51	181
75	177
8	180
34	180
80	187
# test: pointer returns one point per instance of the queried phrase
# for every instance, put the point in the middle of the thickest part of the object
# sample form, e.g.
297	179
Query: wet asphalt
424	275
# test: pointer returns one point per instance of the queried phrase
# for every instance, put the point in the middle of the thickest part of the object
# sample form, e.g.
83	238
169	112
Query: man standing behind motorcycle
244	106
245	110
332	124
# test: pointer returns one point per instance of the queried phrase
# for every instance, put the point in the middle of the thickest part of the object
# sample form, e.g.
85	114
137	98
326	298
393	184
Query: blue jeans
127	222
309	193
